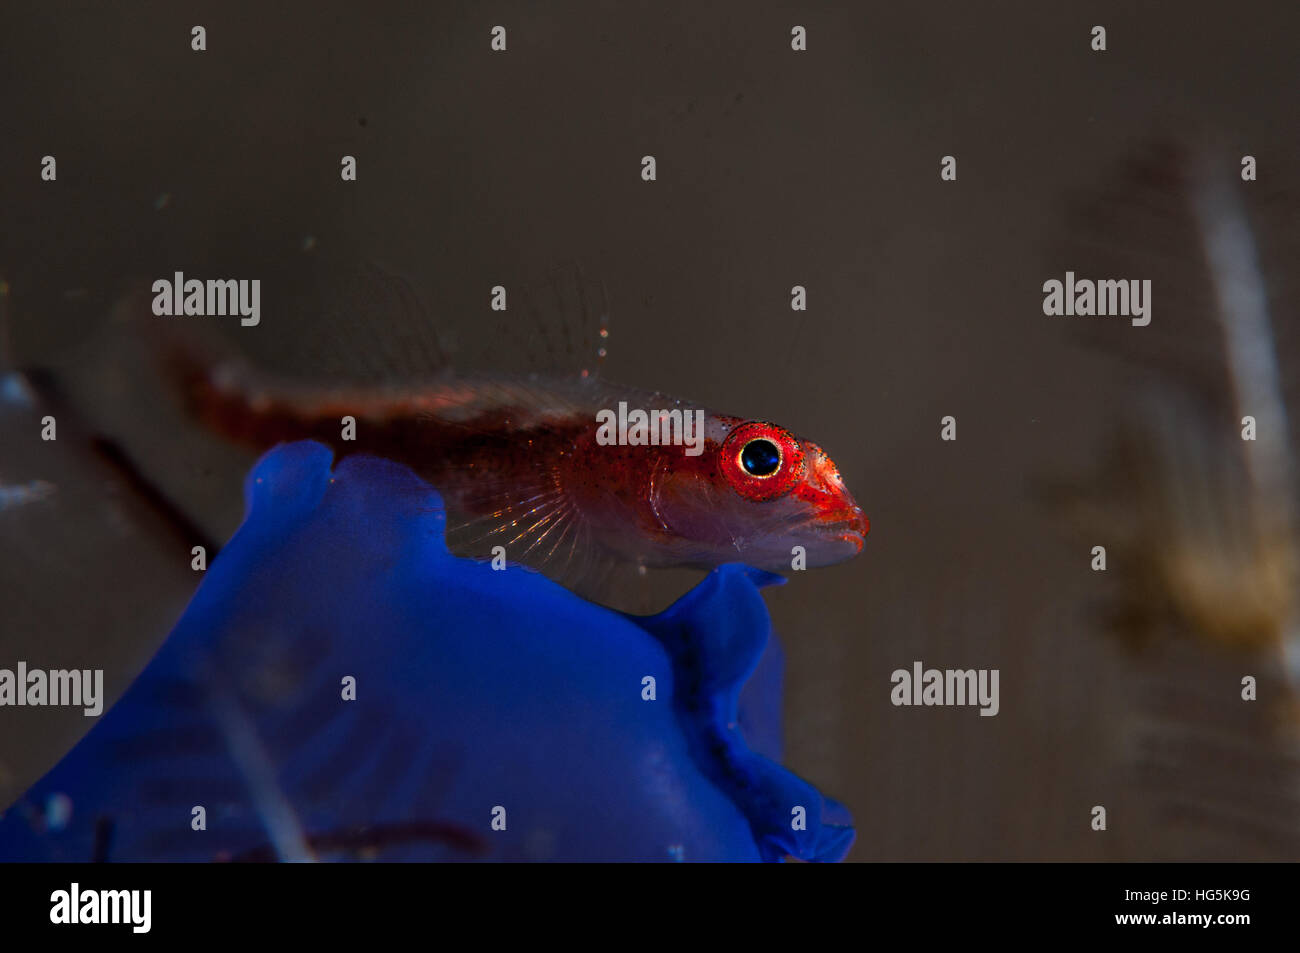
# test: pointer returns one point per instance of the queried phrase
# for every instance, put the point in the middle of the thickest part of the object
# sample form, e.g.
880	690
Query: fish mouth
846	526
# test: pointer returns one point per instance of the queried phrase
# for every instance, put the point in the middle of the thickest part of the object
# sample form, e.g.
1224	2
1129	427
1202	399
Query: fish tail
226	394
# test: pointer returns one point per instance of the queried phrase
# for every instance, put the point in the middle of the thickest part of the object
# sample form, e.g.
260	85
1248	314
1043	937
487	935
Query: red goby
532	463
519	463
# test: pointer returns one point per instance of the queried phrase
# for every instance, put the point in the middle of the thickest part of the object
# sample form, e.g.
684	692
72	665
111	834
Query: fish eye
761	461
760	457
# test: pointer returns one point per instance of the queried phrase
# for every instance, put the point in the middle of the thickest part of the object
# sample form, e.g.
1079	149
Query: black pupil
760	458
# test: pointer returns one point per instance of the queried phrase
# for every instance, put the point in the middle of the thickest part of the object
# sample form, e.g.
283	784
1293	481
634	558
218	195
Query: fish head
754	495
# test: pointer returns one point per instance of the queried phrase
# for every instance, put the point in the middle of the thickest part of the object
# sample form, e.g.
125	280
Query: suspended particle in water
58	811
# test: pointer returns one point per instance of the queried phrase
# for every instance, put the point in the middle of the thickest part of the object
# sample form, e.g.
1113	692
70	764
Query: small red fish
522	462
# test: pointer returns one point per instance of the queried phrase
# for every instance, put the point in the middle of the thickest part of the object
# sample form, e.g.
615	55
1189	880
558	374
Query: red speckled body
519	465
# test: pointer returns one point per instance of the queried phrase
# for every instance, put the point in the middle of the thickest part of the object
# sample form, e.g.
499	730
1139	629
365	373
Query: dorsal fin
338	321
556	324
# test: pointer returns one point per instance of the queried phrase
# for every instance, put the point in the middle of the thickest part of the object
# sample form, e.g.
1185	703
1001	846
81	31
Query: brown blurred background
775	168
